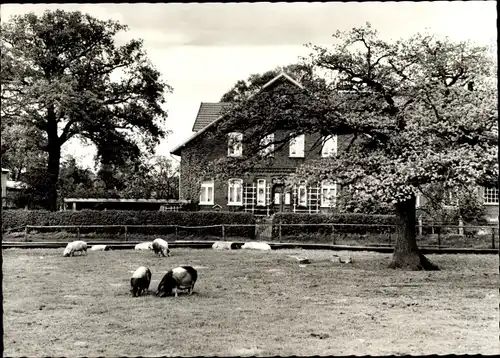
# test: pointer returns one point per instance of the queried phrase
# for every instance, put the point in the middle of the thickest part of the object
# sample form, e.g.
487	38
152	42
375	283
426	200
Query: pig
99	248
182	277
140	281
160	247
75	246
256	246
143	246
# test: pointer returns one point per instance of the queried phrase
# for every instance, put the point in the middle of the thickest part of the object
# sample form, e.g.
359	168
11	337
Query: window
207	193
491	196
297	146
235	192
328	193
261	192
450	199
287	199
302	194
234	146
269	150
329	146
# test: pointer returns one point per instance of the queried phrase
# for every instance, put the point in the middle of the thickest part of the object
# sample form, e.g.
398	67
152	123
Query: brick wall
281	166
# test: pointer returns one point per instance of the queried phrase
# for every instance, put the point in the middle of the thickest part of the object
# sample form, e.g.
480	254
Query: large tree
417	112
245	88
63	75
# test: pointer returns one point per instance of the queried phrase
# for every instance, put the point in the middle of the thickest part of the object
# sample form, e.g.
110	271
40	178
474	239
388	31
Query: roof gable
208	113
213	107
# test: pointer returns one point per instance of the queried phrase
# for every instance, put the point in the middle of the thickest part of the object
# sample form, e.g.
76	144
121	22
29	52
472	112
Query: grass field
248	303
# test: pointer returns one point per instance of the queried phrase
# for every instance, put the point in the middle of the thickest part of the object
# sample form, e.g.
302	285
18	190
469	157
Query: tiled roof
203	120
208	113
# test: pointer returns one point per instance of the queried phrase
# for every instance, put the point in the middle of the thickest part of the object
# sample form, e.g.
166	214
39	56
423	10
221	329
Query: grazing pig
226	245
140	281
99	248
75	246
160	247
143	245
182	277
256	246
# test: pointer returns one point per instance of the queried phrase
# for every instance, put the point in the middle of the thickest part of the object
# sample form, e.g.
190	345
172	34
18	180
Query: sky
202	49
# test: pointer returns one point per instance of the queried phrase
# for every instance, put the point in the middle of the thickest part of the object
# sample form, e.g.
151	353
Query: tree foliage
63	75
417	112
243	89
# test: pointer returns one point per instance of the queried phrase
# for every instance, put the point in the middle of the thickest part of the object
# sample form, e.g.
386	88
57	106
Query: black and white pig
140	281
182	277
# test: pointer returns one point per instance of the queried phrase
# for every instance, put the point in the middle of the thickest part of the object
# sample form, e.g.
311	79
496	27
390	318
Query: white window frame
450	200
329	148
269	150
261	199
234	144
302	187
329	186
489	195
297	144
205	189
235	187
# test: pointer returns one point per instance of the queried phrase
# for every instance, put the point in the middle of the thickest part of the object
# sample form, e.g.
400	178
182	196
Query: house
262	190
14	189
489	197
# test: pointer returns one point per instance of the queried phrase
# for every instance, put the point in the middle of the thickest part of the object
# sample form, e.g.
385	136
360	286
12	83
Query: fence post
492	237
439	237
420	225
176	232
279	229
223	232
333	233
26	233
460	226
78	233
126	232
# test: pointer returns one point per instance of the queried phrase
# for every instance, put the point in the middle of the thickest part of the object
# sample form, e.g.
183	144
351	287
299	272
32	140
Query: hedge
377	222
21	218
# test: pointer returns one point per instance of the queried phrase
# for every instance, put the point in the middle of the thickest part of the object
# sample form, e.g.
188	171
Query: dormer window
329	146
297	146
234	145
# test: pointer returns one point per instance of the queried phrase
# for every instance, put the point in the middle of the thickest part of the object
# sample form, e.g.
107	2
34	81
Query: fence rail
333	231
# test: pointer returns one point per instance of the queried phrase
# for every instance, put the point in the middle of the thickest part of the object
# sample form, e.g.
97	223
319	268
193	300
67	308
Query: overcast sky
203	49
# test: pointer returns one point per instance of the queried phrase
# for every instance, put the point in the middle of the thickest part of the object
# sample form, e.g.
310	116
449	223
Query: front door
278	197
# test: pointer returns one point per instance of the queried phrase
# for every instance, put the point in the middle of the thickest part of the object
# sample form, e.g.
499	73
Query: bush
376	223
21	218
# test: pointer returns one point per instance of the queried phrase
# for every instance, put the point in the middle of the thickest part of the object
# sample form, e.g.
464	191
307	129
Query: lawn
248	303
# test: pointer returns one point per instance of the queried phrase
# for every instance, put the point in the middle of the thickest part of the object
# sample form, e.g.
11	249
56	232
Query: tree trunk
406	255
54	150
